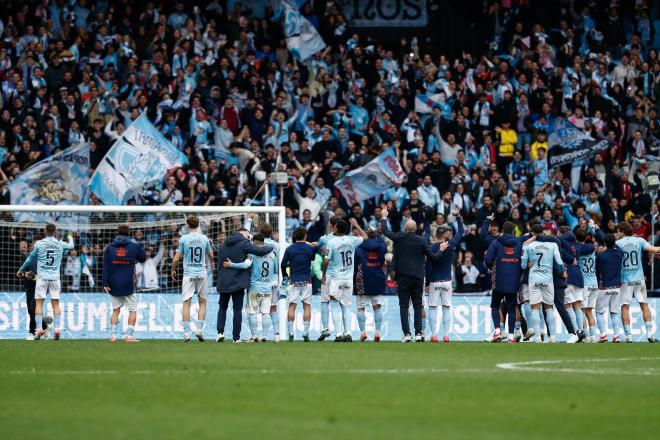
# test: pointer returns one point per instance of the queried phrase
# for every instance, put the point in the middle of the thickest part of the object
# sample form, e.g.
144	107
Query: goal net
156	228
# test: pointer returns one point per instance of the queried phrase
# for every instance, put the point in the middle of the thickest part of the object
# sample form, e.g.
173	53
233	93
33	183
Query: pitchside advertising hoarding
87	316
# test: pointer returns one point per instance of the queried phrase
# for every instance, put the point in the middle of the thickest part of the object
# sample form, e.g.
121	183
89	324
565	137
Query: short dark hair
258	237
300	234
372	233
610	241
334	219
341	227
537	229
50	229
267	230
193	222
563	229
580	234
533	222
508	228
123	230
626	228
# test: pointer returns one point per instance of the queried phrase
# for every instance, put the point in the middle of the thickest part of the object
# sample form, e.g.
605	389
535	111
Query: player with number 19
193	249
49	253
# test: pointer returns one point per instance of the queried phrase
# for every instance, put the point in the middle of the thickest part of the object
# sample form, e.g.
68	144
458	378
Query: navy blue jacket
236	248
503	257
576	249
119	261
369	267
608	268
440	270
299	257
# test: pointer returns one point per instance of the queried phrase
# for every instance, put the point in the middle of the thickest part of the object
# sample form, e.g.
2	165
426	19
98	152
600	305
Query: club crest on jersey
509	250
121	252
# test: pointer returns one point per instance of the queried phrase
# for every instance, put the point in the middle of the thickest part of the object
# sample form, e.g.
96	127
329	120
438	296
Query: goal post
157	228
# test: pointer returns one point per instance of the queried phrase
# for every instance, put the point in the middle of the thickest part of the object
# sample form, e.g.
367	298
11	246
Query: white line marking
393	371
532	366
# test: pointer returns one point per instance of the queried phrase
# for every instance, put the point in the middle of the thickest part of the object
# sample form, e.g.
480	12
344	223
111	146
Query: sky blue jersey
49	254
194	247
588	268
341	255
544	255
323	242
276	251
632	247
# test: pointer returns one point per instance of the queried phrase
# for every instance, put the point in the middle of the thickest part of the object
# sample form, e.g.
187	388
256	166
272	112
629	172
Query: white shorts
542	293
129	301
523	297
301	290
45	287
636	289
191	286
342	291
608	300
573	294
364	300
440	293
275	295
325	290
589	297
259	303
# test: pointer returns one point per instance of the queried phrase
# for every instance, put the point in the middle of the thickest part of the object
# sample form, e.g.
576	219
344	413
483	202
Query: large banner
58	180
385	13
302	38
87	316
372	179
139	159
568	144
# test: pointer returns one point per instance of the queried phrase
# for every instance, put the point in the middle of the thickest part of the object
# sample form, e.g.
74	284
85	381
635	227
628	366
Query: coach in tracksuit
119	261
232	282
503	257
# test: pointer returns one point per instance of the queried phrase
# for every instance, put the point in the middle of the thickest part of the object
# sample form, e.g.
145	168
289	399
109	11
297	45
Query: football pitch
168	389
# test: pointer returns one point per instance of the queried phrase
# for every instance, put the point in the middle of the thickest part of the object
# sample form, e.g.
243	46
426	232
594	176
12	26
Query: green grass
168	389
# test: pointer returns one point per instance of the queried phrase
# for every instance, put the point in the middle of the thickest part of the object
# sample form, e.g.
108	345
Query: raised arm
383	225
459	234
483	232
356	225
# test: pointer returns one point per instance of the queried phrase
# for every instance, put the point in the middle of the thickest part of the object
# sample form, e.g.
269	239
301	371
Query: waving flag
372	179
302	39
425	103
60	179
139	159
569	144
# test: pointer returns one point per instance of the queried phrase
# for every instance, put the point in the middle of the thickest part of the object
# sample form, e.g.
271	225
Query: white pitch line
532	366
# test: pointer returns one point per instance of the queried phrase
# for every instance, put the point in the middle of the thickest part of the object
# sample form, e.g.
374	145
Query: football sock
346	315
571	314
433	316
517	326
600	320
39	319
649	328
325	315
443	315
306	327
252	321
626	329
536	320
113	330
527	313
551	323
362	319
130	330
275	321
336	316
186	327
378	319
616	323
579	318
446	318
201	324
289	327
423	324
266	325
592	331
57	320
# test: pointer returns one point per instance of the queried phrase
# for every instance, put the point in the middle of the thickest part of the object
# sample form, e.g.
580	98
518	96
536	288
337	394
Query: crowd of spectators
220	84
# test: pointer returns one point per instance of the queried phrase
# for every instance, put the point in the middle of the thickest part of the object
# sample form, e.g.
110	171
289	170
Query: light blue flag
139	159
302	39
60	179
373	179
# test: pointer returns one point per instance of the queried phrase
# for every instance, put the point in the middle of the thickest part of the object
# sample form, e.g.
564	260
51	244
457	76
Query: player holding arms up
632	276
608	272
540	258
298	258
338	264
194	248
261	286
119	260
49	254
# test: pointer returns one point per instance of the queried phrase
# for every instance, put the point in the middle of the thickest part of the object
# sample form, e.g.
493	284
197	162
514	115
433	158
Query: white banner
385	13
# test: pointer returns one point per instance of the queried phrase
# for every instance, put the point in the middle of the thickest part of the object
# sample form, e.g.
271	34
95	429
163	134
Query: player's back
341	253
300	256
542	255
194	247
49	254
588	267
632	248
264	273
